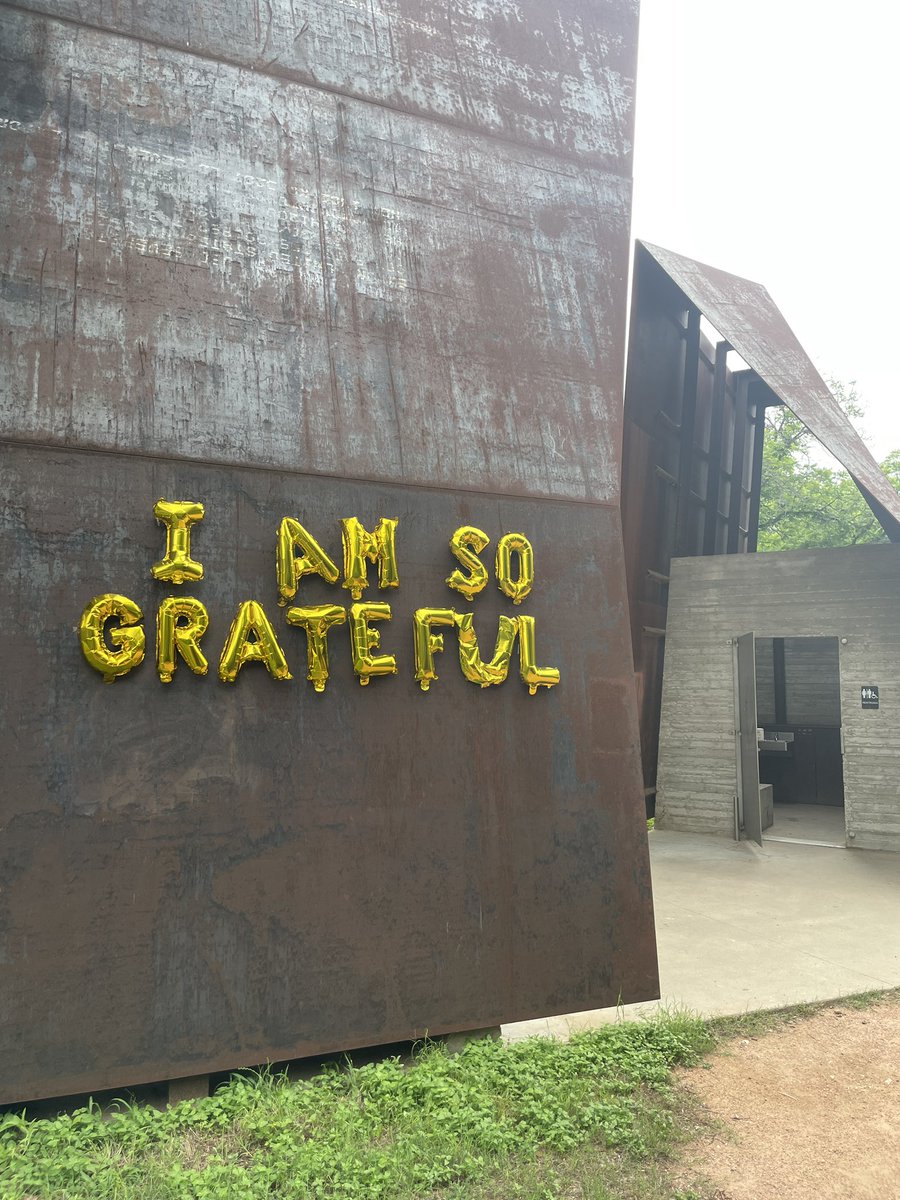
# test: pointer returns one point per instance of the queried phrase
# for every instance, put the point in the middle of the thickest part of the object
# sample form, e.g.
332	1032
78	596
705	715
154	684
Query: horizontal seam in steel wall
597	164
225	464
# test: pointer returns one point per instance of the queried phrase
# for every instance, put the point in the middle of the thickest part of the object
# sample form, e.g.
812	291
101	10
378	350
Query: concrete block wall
851	594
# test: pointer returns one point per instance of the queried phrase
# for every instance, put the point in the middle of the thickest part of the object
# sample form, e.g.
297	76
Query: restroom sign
869	693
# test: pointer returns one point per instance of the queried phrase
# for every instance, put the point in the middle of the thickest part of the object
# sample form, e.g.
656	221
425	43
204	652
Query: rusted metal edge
747	317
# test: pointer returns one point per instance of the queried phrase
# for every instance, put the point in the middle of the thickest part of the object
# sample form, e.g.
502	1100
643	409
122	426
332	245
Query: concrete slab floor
739	927
821	823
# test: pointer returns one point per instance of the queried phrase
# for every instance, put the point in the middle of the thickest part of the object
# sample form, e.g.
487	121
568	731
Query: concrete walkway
740	928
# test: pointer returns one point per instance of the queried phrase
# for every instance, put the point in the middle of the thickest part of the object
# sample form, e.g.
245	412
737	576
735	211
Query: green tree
804	504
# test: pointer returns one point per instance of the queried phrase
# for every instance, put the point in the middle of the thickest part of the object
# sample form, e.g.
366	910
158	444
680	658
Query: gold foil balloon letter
364	640
128	637
510	544
534	676
180	624
474	669
317	621
291	566
427	644
466	543
360	547
251	639
178	516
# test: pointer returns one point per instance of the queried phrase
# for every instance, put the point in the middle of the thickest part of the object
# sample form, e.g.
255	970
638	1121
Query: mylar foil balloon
510	544
363	640
426	643
361	547
251	638
466	543
181	622
178	516
534	676
474	669
317	621
291	566
128	636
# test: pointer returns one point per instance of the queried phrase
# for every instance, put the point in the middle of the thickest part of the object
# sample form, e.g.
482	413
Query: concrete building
806	646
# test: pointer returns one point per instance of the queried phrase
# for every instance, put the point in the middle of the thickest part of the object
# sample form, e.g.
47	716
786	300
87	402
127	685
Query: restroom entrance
798	694
793	756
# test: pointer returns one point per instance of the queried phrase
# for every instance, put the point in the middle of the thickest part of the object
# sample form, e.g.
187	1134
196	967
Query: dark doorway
800	753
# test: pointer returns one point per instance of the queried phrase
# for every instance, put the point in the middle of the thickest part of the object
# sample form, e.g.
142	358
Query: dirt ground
811	1111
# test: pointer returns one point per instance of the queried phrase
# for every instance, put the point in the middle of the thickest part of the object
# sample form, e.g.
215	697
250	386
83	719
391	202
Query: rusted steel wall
209	262
745	314
346	261
692	436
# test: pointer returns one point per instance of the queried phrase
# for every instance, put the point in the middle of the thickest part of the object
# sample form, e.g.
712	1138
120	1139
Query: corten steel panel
545	73
670	458
213	263
217	253
745	315
197	876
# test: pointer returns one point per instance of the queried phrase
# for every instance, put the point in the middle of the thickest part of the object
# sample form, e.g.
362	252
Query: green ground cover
597	1118
494	1121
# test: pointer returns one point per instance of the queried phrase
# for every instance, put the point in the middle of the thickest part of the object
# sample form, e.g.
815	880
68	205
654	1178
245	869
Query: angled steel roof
747	317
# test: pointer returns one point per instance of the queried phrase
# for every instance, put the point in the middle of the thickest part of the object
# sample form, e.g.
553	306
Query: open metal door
748	820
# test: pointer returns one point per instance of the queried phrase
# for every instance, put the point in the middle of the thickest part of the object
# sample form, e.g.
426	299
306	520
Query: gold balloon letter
364	640
112	663
292	566
466	543
264	648
376	547
474	669
317	621
172	638
509	544
427	644
178	516
534	676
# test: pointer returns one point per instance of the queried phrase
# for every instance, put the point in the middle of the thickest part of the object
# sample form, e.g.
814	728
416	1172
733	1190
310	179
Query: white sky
768	144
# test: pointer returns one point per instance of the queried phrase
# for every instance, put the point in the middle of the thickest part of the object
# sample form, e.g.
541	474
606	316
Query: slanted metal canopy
747	317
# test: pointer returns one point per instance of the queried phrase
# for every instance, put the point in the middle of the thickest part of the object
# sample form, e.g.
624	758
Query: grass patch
586	1119
596	1118
757	1024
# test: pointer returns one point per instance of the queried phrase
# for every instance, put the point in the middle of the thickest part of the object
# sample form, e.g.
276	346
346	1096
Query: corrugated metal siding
844	593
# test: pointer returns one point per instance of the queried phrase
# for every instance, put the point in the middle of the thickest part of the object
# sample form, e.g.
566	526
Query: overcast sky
768	145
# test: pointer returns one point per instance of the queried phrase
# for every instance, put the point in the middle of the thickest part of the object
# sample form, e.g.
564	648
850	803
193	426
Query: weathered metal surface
210	263
690	445
200	875
544	73
746	316
284	264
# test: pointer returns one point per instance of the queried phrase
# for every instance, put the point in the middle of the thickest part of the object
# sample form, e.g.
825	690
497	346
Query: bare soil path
810	1111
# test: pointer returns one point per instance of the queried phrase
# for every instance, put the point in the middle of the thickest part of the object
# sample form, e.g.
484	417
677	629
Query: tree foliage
804	504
